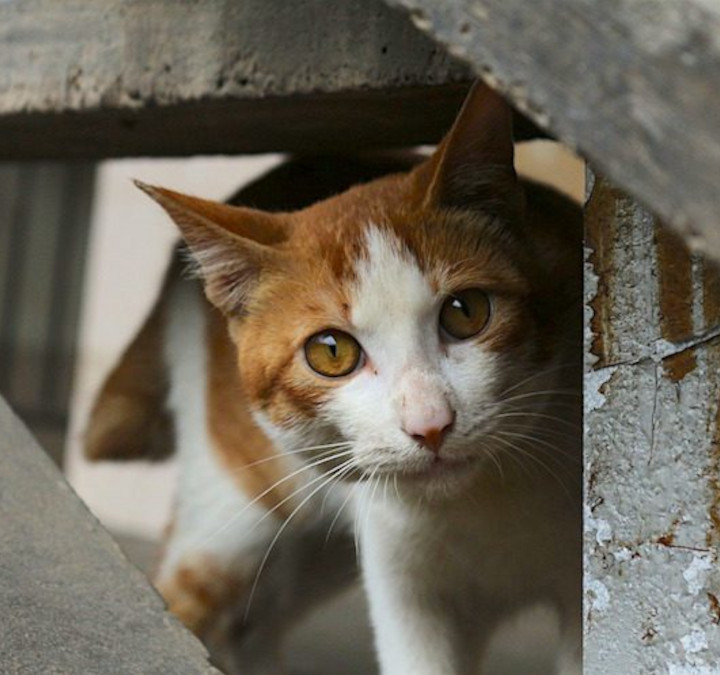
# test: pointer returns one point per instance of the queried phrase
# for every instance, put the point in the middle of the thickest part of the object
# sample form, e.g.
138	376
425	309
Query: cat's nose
429	428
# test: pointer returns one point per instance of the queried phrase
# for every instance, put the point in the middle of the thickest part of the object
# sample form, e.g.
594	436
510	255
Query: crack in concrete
664	349
653	417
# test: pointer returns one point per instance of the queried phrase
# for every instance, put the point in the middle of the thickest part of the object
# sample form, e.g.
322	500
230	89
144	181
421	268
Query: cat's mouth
439	467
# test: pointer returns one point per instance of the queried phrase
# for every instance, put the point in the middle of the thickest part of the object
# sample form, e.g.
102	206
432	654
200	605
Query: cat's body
401	367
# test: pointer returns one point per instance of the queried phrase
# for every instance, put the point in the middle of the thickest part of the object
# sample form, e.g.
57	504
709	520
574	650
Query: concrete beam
71	602
159	77
633	85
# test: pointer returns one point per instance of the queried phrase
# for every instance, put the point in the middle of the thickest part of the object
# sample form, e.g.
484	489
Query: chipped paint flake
594	399
597	594
591	289
603	533
601	528
683	669
694	642
623	554
696	574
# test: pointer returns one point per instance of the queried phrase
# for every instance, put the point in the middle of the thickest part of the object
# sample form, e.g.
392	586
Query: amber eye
332	353
465	313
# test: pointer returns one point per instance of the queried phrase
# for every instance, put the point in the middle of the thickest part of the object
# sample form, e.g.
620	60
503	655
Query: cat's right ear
473	166
231	244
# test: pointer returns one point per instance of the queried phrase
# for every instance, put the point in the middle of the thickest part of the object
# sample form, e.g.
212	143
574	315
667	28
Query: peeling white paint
663	348
694	642
623	554
678	669
596	527
604	532
597	594
696	574
594	380
591	289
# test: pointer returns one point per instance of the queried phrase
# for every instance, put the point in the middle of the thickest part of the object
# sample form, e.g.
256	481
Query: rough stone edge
456	16
12	431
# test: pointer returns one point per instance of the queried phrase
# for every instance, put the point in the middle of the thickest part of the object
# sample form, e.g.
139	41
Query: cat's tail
129	419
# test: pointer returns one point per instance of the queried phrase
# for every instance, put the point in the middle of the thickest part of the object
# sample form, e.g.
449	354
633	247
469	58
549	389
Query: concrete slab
71	603
154	77
633	86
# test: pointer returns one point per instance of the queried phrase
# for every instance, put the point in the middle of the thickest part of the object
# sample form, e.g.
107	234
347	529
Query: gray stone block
161	77
71	603
633	85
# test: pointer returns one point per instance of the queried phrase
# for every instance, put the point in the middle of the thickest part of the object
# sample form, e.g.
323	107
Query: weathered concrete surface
652	447
70	602
634	85
164	77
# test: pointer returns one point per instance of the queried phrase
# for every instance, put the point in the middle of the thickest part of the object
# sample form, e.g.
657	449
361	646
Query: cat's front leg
415	631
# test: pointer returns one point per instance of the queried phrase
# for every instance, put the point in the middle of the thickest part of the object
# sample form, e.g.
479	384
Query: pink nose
430	429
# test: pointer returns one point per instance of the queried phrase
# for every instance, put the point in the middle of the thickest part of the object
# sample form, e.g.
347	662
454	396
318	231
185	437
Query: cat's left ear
232	245
473	167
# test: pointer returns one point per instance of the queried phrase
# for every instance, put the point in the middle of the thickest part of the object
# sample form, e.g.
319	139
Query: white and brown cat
397	363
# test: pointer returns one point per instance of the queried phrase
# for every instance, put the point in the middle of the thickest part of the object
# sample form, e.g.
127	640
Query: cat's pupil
331	343
457	303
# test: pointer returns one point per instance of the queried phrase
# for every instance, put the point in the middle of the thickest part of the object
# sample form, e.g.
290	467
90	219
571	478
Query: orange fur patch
198	592
245	451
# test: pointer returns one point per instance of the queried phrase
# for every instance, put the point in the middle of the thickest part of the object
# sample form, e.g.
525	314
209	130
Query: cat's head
395	317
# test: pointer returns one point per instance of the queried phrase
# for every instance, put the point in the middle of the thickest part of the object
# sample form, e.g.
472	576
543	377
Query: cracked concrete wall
652	446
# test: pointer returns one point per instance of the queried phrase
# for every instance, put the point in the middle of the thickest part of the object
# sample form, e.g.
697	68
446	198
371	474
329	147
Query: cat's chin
438	468
442	477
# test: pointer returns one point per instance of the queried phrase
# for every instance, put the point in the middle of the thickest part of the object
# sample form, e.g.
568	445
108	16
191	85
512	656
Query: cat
398	364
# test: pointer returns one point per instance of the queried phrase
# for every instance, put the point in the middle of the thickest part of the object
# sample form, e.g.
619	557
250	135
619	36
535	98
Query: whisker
372	482
562	435
289	453
529	455
527	413
210	496
535	375
328	478
545	393
530	439
305	467
363	497
523	452
302	488
491	453
349	495
556	453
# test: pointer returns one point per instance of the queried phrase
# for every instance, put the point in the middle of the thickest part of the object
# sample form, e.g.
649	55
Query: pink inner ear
230	244
229	292
229	266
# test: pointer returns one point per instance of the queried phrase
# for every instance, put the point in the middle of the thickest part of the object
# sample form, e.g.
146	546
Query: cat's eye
465	313
333	353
